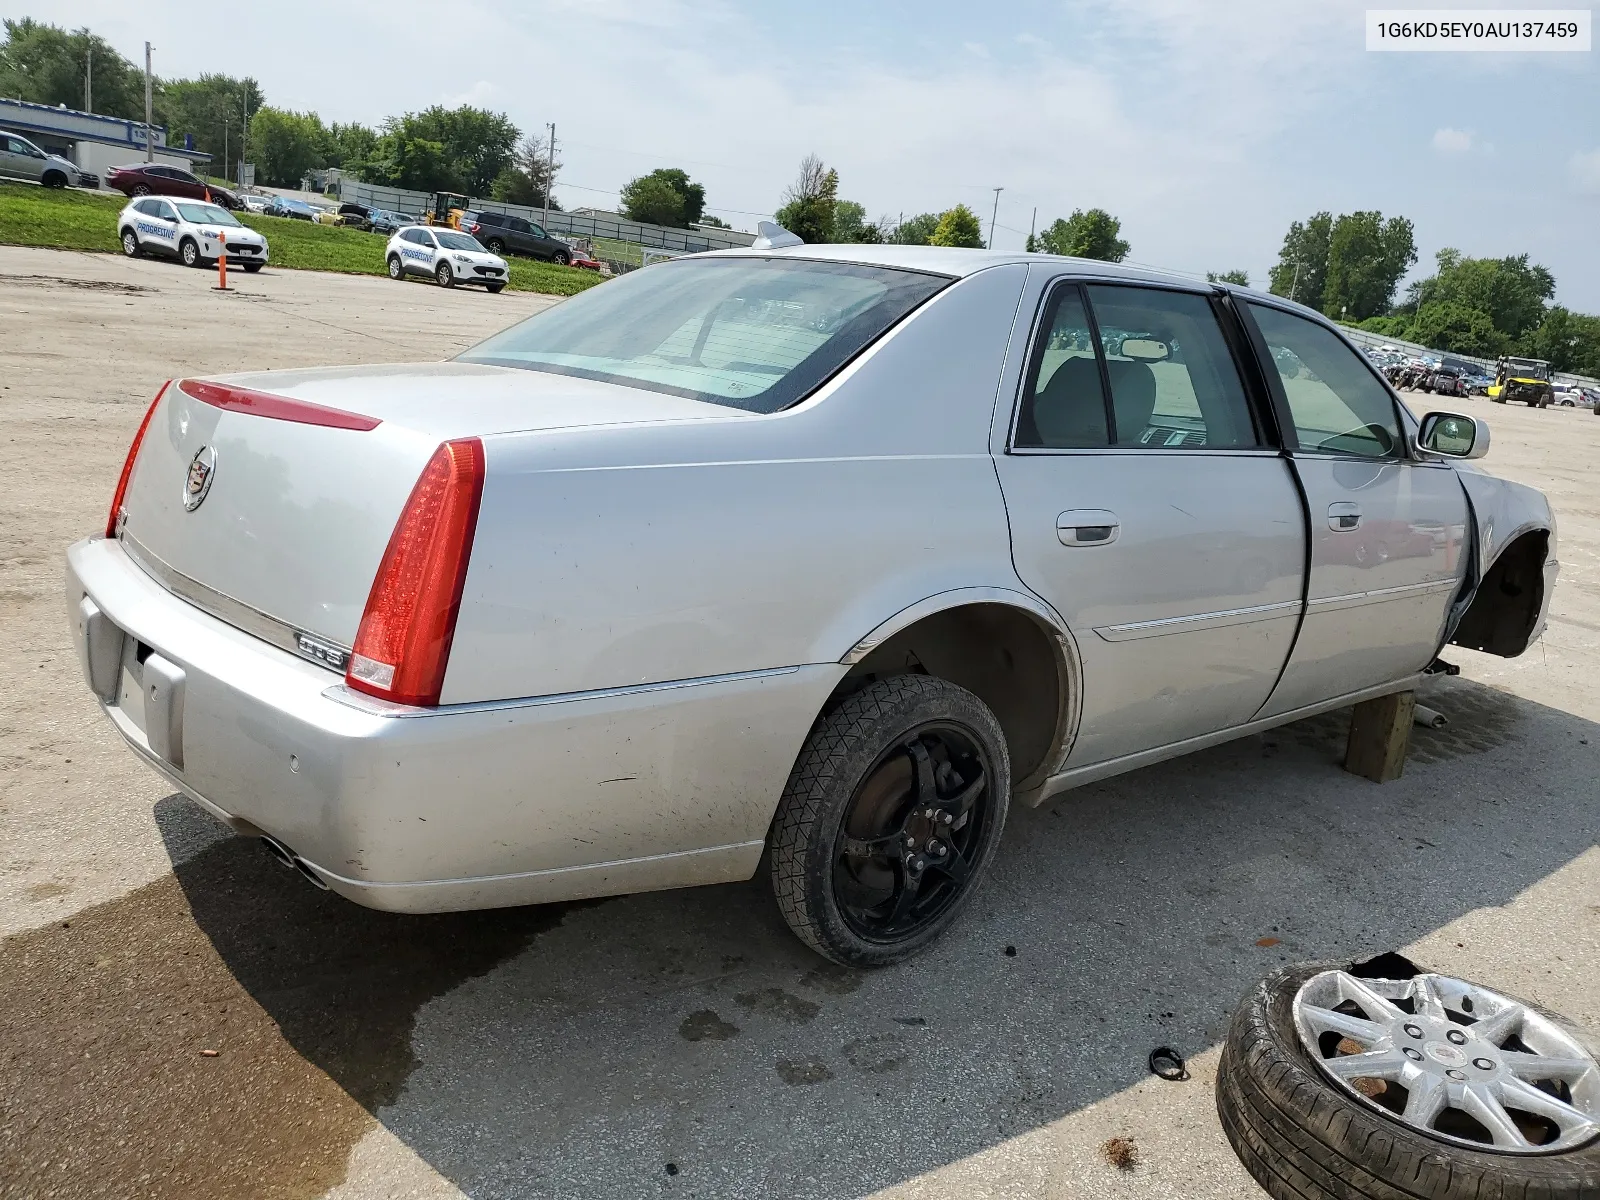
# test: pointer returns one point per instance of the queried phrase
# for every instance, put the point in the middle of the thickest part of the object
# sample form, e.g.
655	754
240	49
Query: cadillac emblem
202	469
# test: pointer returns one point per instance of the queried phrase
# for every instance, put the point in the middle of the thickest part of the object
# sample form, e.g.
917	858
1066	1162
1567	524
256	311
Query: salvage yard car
188	230
449	256
816	556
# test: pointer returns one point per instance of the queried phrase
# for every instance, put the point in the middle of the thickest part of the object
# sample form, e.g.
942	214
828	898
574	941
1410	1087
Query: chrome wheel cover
1453	1060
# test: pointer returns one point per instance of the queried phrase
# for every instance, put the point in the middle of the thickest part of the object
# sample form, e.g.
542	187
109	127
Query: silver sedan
814	555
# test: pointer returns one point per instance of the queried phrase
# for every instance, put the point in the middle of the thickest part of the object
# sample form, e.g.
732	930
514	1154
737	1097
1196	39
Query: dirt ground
683	1043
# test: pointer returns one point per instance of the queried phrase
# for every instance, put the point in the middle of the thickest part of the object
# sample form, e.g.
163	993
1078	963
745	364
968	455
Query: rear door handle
1087	527
1343	516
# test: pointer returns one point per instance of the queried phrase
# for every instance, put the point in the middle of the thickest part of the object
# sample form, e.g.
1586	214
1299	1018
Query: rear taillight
121	493
474	227
403	645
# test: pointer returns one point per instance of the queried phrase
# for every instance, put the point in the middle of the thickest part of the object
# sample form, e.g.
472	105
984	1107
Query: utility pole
224	146
244	138
1296	282
88	80
550	175
1033	224
149	139
993	215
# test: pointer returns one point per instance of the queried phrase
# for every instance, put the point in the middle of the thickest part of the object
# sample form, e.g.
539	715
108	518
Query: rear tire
1303	1138
130	243
495	246
396	270
855	853
444	277
561	258
139	189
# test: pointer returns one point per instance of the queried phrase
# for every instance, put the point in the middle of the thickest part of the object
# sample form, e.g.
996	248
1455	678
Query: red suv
158	179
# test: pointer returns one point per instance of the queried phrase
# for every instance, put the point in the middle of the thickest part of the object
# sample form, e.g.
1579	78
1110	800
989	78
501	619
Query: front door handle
1343	516
1087	527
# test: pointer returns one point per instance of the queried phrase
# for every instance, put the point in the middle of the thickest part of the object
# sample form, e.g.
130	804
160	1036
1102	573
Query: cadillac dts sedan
806	559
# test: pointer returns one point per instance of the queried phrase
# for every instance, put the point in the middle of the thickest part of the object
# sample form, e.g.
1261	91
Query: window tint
164	211
147	207
1063	402
14	146
537	230
1173	382
751	333
1335	401
520	225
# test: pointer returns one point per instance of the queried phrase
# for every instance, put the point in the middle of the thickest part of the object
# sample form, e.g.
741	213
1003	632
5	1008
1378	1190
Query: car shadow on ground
580	1050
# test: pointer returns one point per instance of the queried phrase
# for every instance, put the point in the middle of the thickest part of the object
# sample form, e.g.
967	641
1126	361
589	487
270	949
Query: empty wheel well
1503	612
1002	655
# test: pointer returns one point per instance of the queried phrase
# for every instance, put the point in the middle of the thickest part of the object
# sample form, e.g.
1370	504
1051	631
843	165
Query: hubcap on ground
1452	1059
912	833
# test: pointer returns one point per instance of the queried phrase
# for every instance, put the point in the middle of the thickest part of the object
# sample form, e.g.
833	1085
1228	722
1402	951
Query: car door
1386	530
12	158
520	236
1149	508
418	255
159	228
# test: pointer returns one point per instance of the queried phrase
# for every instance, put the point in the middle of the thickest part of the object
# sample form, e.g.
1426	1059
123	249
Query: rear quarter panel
638	554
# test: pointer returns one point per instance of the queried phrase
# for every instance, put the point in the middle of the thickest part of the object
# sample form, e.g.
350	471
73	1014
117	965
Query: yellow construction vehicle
1525	379
447	209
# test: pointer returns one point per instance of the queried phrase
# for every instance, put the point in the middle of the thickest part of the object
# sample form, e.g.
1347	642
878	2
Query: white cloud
1453	141
1585	169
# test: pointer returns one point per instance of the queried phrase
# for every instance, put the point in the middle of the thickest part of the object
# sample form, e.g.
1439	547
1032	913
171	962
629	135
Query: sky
1205	127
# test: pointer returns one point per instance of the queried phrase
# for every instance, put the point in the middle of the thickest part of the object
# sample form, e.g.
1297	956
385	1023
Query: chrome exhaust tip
278	850
293	861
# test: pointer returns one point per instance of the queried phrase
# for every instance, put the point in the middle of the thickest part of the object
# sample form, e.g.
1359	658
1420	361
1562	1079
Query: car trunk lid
268	498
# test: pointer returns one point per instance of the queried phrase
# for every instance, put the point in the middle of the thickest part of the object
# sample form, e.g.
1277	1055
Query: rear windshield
751	333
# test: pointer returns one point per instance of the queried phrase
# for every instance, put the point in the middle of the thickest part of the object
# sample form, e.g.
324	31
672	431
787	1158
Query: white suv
449	255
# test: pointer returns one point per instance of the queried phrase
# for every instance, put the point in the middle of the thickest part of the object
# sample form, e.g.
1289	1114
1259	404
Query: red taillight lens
474	227
403	644
121	493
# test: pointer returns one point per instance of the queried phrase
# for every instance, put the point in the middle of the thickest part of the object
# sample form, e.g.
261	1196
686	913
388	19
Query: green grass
71	220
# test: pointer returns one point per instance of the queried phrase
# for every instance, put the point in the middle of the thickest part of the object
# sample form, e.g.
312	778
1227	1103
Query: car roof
949	260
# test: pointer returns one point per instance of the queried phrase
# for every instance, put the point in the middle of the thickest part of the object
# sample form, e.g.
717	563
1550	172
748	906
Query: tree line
1349	267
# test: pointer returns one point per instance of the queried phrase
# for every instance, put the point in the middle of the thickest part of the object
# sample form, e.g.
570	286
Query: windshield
206	214
751	333
458	241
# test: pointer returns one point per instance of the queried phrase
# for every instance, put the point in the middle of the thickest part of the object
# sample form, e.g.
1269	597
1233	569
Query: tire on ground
1302	1138
843	745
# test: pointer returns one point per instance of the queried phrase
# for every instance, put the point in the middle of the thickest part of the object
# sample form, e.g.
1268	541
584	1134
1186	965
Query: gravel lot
683	1044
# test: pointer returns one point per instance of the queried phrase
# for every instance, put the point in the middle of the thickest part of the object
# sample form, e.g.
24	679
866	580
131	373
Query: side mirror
1454	435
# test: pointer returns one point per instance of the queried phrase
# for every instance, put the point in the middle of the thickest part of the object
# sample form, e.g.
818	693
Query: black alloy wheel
140	189
561	258
495	246
889	819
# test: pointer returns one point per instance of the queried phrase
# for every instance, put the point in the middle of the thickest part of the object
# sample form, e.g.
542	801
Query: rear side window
1064	403
1158	357
753	333
1335	402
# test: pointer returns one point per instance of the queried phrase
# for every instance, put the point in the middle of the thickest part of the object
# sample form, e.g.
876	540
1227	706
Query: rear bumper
469	806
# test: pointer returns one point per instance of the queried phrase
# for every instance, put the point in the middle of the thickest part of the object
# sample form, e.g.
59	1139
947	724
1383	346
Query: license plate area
150	697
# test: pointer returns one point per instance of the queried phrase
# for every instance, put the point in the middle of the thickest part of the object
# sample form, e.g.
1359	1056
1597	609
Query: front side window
164	211
1335	402
753	333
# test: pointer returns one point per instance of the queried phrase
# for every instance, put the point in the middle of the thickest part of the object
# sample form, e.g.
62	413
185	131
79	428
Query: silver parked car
823	552
21	159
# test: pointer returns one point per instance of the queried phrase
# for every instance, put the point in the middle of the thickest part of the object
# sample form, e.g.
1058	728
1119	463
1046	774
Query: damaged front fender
1505	602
